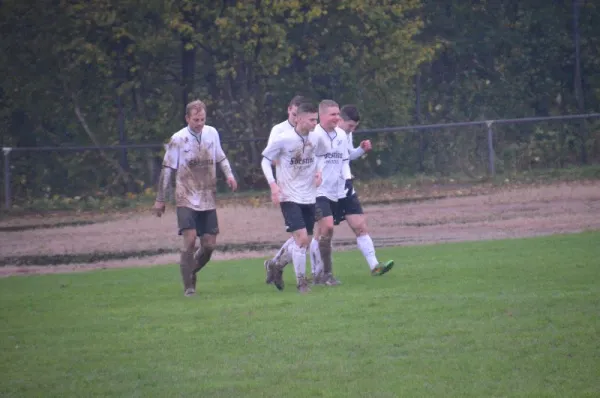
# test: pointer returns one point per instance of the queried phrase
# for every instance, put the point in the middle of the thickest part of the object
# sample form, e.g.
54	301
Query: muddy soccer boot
269	272
302	285
330	280
318	279
276	273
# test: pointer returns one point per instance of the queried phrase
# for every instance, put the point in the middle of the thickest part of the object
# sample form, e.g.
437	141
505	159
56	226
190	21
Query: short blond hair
195	105
326	104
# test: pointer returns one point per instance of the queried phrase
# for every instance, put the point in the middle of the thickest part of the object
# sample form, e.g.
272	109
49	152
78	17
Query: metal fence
473	147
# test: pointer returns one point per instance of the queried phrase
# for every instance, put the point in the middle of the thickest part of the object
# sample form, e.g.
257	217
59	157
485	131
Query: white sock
299	260
283	256
365	244
316	265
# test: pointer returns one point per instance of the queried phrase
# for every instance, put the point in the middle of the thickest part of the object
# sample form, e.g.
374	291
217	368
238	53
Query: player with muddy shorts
193	154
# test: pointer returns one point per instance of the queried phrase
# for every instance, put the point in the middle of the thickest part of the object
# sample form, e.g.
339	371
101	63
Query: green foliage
83	73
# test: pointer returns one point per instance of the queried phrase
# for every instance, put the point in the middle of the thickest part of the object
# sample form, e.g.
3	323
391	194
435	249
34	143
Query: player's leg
358	223
281	259
292	215
324	216
298	250
207	228
186	221
316	265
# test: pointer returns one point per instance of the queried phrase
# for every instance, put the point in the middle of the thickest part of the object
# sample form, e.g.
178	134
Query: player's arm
271	154
354	153
224	164
272	136
170	166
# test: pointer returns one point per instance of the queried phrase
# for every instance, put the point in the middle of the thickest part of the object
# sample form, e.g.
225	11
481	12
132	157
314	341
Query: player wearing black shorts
350	208
298	175
193	154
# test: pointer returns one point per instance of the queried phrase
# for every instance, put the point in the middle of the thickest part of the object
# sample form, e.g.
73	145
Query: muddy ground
71	242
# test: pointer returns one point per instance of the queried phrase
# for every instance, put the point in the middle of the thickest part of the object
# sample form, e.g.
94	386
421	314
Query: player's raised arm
225	166
354	153
170	165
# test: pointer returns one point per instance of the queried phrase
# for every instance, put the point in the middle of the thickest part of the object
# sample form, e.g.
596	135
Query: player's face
330	118
349	126
306	122
196	120
292	114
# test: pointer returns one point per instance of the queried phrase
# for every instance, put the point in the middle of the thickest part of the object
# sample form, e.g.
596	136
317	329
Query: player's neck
194	131
291	124
301	133
327	131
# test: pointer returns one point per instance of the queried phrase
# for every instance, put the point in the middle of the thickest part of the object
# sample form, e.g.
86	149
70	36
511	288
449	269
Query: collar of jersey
196	136
326	132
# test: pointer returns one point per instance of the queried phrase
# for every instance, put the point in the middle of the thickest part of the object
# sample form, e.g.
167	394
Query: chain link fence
470	149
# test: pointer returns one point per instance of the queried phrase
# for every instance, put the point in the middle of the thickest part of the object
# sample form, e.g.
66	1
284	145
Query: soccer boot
330	280
382	268
302	285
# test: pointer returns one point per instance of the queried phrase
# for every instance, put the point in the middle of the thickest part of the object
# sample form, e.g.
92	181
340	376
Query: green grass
516	318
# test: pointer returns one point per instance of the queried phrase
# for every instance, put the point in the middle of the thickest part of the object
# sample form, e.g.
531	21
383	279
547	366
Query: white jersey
195	158
336	155
279	129
297	156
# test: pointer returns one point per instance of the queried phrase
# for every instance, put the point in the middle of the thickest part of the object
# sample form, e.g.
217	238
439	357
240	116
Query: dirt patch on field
112	240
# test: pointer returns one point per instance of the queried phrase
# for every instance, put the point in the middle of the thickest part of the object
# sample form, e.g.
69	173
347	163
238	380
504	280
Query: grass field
515	318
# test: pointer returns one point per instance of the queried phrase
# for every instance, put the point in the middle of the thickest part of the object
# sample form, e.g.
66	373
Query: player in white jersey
193	153
300	155
290	122
349	205
335	172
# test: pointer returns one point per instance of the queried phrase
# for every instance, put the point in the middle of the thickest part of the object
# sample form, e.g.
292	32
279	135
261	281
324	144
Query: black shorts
328	208
349	205
204	222
298	216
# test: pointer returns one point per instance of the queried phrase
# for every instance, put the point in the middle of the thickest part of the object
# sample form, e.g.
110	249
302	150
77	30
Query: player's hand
232	183
318	178
366	145
275	193
159	208
349	188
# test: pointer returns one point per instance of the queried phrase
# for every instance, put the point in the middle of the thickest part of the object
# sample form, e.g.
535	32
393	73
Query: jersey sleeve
219	153
353	152
273	134
274	148
171	159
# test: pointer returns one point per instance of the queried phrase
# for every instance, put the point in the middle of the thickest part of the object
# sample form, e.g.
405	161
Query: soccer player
299	153
348	201
290	123
336	171
193	153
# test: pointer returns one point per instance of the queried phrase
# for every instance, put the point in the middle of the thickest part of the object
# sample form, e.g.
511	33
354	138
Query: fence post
7	193
491	156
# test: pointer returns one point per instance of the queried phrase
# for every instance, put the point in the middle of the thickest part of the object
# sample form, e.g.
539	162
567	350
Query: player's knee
301	239
326	226
208	244
327	232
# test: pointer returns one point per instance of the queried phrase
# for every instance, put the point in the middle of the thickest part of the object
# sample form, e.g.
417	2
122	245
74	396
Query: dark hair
297	100
307	107
350	112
